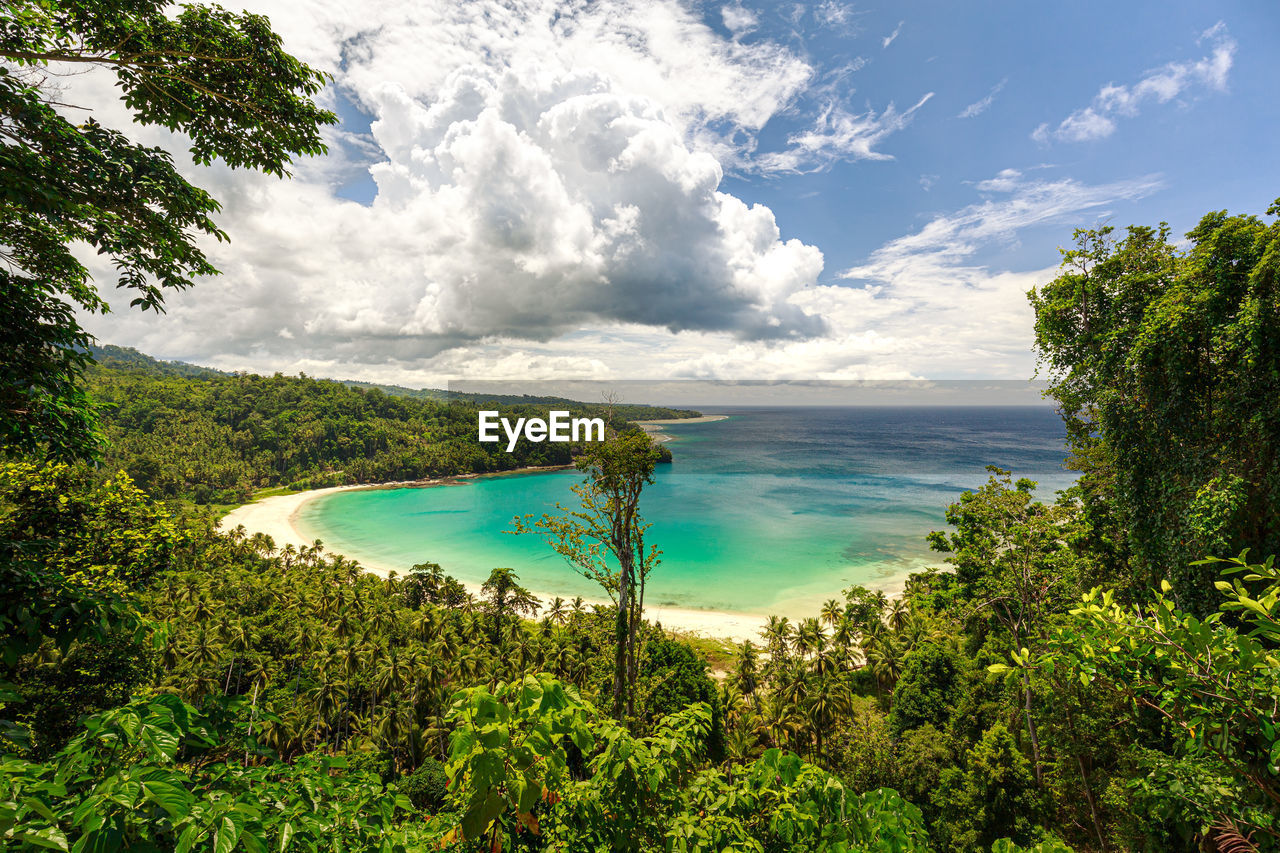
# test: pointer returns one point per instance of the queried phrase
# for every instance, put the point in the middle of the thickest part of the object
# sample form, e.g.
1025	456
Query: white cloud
1006	180
888	40
922	305
549	204
834	15
979	107
545	171
1098	120
839	134
738	19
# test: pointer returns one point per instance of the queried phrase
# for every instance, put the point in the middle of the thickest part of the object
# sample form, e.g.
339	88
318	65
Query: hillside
211	437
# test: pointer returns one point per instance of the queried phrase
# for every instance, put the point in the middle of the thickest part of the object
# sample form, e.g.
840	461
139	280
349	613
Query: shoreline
276	517
653	428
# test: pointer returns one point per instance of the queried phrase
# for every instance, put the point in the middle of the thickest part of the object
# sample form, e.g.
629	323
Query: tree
1214	686
70	550
928	690
604	540
1012	562
1167	367
222	79
993	797
505	597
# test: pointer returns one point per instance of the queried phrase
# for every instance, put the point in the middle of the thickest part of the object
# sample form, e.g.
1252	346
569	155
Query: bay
772	510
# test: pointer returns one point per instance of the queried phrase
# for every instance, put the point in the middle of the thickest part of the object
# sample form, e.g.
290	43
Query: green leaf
228	834
171	798
50	838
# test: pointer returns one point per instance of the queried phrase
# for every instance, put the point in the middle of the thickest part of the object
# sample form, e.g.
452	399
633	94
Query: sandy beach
654	427
276	517
704	419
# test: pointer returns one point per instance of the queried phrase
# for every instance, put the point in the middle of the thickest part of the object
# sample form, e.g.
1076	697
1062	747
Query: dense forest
209	437
1096	673
173	686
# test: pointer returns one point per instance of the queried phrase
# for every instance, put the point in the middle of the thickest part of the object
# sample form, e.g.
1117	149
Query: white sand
654	428
704	419
275	516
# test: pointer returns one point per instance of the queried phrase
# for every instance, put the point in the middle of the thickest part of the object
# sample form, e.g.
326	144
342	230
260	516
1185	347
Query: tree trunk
633	643
622	637
1084	780
254	713
1031	727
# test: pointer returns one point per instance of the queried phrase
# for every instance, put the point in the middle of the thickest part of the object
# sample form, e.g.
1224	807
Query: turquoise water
772	510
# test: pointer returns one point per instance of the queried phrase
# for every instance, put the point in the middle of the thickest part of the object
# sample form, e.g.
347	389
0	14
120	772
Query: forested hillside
1097	673
187	432
174	687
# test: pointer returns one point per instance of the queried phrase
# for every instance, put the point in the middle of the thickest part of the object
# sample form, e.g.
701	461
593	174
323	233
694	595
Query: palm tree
204	650
899	611
556	612
259	676
826	703
777	722
746	672
809	637
885	660
832	612
777	634
504	596
325	699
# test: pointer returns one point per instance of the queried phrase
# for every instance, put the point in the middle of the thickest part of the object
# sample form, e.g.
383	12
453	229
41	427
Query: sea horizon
772	510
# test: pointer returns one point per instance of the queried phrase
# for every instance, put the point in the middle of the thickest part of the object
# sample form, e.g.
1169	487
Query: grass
720	654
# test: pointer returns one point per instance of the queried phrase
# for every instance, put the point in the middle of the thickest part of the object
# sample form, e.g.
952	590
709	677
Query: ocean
773	510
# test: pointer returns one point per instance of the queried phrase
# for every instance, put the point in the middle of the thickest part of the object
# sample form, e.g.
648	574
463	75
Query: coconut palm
556	611
898	613
826	702
746	671
832	612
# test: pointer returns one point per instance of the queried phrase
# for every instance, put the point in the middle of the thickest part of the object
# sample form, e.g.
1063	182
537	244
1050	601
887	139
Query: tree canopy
1166	364
221	79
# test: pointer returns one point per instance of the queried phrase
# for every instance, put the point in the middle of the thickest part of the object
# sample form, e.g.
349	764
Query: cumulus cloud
512	207
923	305
548	168
979	107
549	202
1098	120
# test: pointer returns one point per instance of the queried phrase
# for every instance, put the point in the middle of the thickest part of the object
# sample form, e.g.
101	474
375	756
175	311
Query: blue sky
1038	63
655	188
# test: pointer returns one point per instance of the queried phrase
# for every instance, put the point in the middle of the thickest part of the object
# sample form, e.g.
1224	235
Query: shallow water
772	510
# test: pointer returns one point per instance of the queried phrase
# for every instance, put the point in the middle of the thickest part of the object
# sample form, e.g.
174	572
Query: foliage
427	787
510	774
217	438
221	79
604	540
993	796
69	548
928	690
140	777
1167	368
1216	688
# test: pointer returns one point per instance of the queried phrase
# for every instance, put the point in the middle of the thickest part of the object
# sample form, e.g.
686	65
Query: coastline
654	427
276	517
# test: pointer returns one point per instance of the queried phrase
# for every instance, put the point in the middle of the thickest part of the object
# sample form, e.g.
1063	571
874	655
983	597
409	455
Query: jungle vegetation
1095	673
217	438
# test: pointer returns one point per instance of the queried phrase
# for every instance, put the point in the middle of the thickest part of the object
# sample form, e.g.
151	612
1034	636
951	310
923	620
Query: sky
678	190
